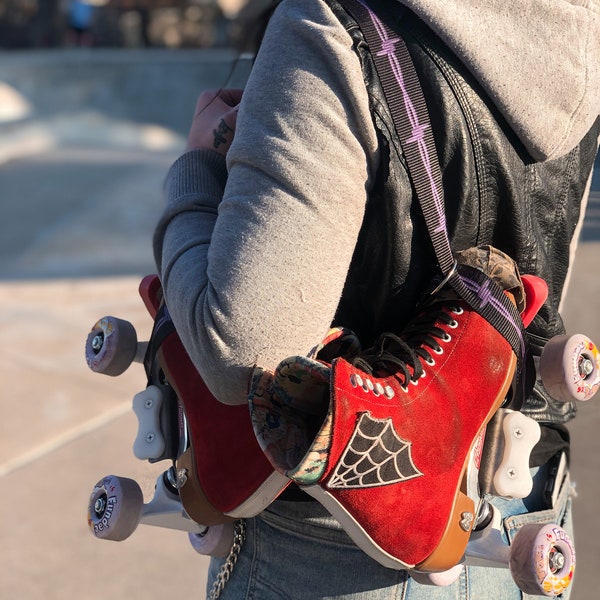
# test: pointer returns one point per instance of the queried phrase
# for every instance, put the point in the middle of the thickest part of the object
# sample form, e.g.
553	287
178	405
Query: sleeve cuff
198	172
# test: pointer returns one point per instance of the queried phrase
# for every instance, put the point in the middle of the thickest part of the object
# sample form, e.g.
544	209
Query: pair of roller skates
397	442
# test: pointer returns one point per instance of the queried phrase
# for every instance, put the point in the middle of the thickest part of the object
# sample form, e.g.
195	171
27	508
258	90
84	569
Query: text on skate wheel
542	560
115	508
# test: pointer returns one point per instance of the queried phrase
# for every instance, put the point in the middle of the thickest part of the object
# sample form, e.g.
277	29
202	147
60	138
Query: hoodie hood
539	61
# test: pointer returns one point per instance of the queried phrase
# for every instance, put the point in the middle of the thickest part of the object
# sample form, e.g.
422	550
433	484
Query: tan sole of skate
453	543
192	495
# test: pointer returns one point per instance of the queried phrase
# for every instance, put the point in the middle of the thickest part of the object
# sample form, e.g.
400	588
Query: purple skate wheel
111	346
115	508
215	541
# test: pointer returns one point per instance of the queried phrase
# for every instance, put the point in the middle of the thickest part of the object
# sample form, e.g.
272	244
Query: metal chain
239	536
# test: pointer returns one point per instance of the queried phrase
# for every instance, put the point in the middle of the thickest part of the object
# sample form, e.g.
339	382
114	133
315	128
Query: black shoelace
395	355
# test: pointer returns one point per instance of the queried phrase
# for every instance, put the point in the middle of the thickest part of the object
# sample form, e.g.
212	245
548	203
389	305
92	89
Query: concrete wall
146	86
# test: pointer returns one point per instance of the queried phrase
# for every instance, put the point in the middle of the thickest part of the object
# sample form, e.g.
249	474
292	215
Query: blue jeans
295	550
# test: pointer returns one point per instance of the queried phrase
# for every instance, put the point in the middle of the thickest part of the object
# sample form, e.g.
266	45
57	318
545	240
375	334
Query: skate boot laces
423	339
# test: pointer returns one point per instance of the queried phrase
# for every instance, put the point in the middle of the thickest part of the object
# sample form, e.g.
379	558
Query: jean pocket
560	513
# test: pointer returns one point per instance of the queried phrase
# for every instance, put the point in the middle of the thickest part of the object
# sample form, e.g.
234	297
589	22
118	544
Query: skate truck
226	465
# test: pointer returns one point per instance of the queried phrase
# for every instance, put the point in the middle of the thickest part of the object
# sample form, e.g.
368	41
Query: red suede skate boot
223	474
383	441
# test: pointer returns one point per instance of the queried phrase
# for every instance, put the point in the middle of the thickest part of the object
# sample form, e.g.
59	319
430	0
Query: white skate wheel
215	541
111	346
542	560
115	508
570	368
441	579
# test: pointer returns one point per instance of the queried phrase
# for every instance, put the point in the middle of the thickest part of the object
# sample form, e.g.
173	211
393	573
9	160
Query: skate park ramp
86	138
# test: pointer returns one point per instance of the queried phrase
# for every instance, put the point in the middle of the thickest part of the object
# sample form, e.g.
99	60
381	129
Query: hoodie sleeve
256	276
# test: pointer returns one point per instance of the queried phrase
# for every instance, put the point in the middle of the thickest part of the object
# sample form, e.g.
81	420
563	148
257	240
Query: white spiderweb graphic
375	456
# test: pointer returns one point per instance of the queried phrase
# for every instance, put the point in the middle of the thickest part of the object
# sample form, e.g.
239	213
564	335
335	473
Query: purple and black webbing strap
409	112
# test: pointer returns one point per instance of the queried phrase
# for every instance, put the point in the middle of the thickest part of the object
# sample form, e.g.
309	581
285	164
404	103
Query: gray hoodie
539	61
253	257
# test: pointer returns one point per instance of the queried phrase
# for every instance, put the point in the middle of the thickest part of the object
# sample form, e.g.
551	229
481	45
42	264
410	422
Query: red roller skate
390	440
219	472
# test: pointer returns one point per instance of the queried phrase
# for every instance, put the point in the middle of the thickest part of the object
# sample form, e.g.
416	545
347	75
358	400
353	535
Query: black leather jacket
494	192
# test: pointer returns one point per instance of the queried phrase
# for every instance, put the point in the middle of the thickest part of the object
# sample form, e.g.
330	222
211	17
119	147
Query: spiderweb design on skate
375	456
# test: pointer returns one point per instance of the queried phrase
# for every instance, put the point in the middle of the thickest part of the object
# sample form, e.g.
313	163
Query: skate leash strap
411	119
162	328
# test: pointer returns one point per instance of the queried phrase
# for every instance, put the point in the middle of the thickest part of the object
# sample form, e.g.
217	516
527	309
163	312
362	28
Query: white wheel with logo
115	508
570	368
542	560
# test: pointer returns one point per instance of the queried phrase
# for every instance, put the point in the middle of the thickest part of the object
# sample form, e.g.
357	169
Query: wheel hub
98	342
556	560
586	366
100	506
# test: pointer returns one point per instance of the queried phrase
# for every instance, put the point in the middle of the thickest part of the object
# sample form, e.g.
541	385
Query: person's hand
214	121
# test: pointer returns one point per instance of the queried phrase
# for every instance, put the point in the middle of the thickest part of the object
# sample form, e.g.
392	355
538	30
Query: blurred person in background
80	17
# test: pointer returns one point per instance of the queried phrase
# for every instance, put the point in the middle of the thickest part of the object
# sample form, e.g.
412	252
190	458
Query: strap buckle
446	279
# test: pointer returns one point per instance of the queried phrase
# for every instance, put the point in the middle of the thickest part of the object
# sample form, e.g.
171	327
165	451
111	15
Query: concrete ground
80	191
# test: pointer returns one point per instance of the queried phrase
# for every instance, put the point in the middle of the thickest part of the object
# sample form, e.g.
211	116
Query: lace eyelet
447	337
459	310
430	361
439	350
389	392
378	390
414	381
453	324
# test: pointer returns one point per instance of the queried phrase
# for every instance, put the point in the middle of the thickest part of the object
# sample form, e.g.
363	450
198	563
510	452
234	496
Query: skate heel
450	550
453	542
